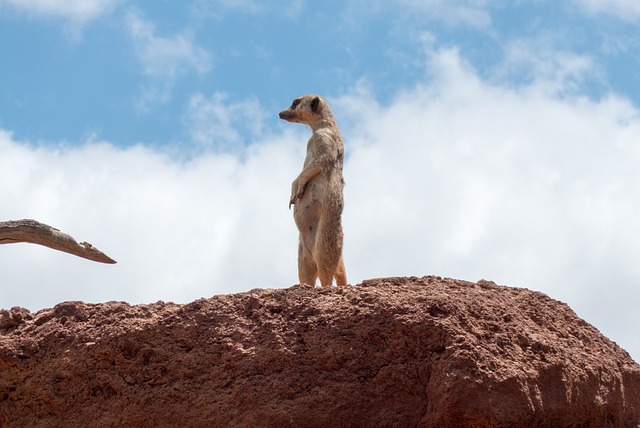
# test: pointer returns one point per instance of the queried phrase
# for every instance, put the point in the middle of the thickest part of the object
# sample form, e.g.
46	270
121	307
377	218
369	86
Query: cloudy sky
485	139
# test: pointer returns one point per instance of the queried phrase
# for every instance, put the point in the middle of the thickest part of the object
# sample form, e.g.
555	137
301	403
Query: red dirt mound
428	352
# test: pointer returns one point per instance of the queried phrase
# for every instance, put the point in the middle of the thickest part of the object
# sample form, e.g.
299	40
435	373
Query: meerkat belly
308	209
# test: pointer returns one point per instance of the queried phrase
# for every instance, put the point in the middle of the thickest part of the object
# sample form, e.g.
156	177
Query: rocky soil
402	352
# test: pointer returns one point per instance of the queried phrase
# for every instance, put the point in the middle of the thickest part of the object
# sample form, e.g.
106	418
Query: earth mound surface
429	352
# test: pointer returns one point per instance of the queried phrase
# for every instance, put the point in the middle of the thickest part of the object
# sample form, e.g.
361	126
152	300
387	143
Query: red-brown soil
403	352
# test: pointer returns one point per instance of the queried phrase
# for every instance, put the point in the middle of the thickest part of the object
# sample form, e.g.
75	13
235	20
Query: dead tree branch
38	233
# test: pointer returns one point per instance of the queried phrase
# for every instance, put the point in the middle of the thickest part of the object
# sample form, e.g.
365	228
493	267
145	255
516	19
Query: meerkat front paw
296	192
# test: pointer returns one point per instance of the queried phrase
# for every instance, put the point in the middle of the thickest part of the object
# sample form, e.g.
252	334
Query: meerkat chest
313	151
323	149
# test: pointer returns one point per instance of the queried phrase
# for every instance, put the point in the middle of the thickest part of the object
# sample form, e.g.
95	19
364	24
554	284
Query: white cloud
537	62
245	6
217	8
178	229
76	11
459	176
216	122
625	9
164	59
493	178
468	12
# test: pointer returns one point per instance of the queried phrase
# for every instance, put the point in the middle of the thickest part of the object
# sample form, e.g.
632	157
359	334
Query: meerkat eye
295	104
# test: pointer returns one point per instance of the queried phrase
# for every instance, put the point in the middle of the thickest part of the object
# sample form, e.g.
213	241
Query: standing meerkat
317	194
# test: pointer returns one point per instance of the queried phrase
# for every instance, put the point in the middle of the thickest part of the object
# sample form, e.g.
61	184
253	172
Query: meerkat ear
314	104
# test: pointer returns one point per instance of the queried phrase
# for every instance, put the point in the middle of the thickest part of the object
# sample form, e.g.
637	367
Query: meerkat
317	194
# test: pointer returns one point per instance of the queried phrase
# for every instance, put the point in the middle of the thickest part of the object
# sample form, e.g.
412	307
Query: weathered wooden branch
38	233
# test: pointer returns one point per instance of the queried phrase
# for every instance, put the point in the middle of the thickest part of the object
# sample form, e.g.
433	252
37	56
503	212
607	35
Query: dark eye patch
295	104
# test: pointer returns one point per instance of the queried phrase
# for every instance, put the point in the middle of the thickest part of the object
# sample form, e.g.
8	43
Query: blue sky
485	140
127	72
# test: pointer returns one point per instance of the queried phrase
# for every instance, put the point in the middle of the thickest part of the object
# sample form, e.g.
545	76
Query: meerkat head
306	109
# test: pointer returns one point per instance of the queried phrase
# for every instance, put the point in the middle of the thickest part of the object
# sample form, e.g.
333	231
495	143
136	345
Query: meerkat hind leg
341	273
307	270
326	277
326	265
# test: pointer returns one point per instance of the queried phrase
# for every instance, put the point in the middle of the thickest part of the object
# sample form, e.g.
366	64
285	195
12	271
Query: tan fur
317	194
